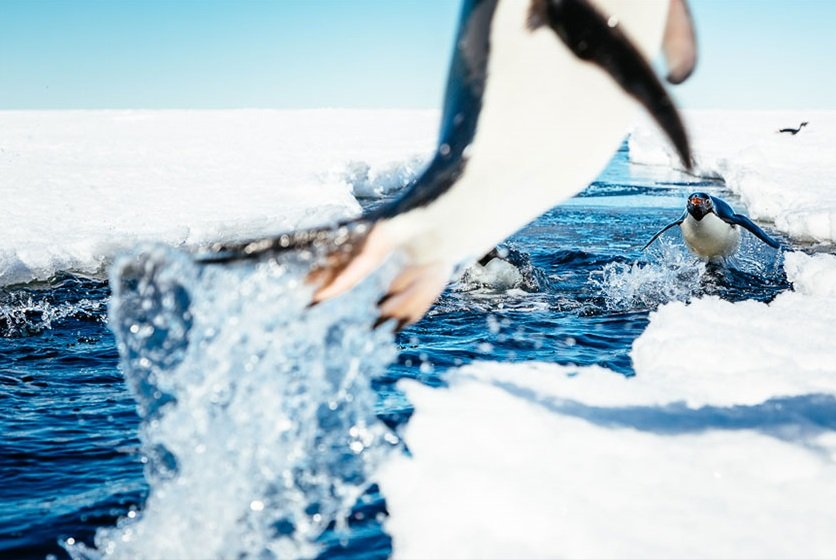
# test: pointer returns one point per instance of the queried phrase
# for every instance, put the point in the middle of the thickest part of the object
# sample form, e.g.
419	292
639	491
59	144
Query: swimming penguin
539	96
794	131
709	228
505	268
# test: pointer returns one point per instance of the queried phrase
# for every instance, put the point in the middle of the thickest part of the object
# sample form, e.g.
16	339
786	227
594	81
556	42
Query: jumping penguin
539	95
709	228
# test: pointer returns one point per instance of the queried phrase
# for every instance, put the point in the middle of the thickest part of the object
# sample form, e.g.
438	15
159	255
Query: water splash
382	180
24	315
676	276
258	429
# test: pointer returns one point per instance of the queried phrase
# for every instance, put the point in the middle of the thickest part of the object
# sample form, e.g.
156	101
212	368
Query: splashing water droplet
286	441
640	286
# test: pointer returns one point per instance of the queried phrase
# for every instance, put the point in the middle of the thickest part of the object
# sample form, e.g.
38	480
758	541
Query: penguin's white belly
711	236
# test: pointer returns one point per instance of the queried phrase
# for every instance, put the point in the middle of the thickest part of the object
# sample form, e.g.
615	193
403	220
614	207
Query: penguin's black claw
399	326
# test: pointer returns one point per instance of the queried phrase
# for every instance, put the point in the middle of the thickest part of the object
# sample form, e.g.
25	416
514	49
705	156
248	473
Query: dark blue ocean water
70	457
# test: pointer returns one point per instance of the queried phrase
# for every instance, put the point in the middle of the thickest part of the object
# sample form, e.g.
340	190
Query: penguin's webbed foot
409	295
412	293
341	273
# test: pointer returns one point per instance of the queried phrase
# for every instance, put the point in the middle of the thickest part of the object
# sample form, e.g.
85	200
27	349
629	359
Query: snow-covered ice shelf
79	186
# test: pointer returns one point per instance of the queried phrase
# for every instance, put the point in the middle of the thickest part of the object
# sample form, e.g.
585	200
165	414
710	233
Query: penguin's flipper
664	229
726	213
594	38
680	42
745	222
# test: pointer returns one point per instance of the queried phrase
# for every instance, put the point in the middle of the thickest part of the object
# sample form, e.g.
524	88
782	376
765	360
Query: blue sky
94	54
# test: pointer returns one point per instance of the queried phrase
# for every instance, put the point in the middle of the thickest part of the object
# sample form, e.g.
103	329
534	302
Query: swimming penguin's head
699	204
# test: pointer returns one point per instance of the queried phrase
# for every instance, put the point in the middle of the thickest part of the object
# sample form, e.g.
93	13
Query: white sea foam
24	315
781	178
79	186
675	276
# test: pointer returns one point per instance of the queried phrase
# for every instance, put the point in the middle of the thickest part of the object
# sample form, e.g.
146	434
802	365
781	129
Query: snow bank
78	186
721	446
747	352
781	178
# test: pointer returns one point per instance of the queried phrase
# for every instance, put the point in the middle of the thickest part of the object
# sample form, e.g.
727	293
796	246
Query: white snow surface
747	352
781	178
79	186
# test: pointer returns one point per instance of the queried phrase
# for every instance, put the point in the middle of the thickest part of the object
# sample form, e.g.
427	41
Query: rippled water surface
219	368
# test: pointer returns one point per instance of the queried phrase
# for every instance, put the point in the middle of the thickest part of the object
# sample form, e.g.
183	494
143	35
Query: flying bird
794	131
539	95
